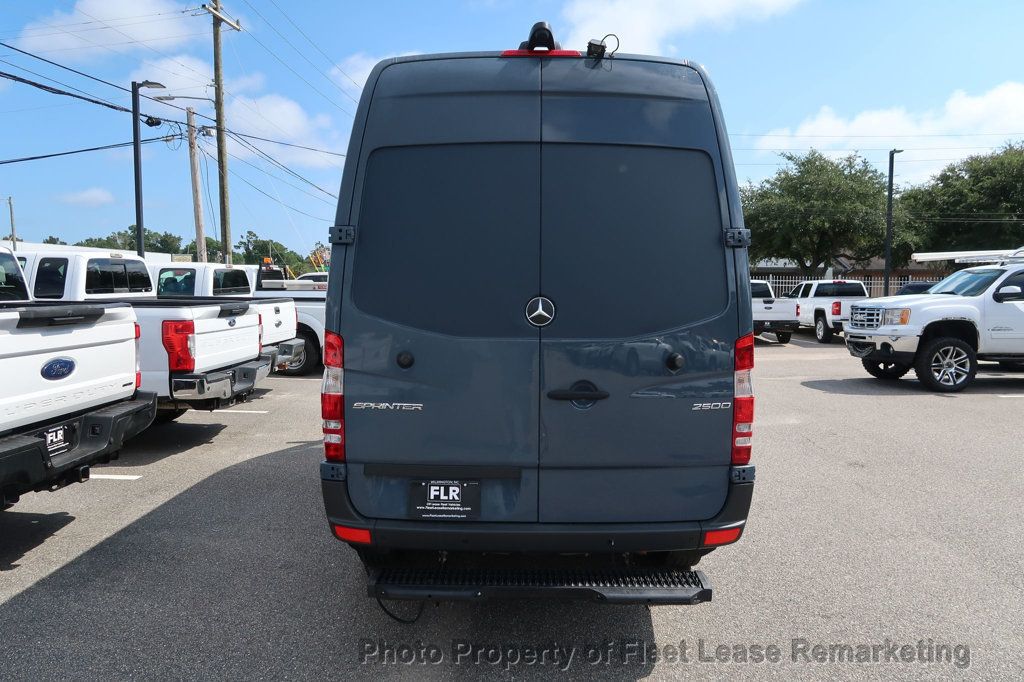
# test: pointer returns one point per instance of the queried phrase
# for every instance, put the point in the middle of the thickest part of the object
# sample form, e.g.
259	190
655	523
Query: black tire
167	416
946	365
1011	365
783	337
822	331
888	371
310	359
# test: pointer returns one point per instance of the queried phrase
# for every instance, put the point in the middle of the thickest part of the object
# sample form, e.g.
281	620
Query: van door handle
570	394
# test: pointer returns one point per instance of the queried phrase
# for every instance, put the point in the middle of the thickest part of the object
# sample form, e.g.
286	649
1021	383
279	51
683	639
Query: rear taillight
138	366
260	322
798	310
721	536
743	401
837	308
179	337
348	534
332	397
541	53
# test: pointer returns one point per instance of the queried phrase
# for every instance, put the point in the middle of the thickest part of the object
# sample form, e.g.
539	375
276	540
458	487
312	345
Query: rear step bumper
94	436
611	586
558	538
219	385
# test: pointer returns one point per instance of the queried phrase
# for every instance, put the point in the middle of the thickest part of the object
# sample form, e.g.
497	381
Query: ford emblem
58	368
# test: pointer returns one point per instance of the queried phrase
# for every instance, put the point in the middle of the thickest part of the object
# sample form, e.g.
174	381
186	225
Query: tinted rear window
12	284
176	282
631	239
227	282
760	290
50	277
448	238
840	289
114	276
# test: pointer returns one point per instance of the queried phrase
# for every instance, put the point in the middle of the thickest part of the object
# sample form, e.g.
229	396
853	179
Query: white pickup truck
771	314
217	281
69	387
974	314
824	304
201	354
310	305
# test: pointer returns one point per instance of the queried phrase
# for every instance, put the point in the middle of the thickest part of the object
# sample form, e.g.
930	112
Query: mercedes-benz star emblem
540	311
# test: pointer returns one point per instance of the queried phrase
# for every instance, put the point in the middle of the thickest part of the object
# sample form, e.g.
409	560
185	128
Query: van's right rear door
441	366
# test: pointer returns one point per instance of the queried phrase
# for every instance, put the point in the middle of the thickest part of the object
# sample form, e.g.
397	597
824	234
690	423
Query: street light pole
888	223
140	230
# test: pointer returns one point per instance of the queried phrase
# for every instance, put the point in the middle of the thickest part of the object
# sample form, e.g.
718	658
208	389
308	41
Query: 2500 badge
711	406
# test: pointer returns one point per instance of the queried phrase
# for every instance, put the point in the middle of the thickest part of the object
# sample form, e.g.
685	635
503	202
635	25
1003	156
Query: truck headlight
896	316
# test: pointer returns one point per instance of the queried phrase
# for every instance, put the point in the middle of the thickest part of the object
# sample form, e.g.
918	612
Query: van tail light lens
179	337
743	402
260	322
837	308
138	353
357	535
721	536
332	399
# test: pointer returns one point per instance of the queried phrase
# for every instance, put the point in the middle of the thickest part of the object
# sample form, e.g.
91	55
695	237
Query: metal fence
782	284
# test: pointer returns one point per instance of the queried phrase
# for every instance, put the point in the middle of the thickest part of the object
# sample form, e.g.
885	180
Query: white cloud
280	118
122	25
94	196
645	25
965	124
351	73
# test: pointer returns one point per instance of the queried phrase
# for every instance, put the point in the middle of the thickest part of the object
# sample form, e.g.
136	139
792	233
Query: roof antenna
540	36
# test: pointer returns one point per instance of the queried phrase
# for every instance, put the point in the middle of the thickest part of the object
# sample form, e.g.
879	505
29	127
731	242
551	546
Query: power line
283	167
266	172
57	91
87	149
297	74
173	106
292	208
83	23
299	52
315	46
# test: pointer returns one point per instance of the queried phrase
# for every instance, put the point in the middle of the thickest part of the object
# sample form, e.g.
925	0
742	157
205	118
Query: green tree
54	240
164	242
974	204
252	249
214	252
818	209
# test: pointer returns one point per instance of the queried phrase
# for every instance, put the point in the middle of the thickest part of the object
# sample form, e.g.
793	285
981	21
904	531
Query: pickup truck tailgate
279	320
223	339
63	359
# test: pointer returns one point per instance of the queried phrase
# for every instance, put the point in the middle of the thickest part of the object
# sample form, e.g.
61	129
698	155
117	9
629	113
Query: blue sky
941	80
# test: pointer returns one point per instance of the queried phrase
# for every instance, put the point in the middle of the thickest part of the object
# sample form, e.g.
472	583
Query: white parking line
1010	395
115	477
245	411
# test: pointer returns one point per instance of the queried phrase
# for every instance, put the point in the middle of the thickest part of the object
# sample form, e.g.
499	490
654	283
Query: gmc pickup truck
217	281
771	314
974	314
825	304
202	354
69	395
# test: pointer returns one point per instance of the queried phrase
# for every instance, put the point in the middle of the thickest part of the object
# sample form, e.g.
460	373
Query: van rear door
633	259
441	367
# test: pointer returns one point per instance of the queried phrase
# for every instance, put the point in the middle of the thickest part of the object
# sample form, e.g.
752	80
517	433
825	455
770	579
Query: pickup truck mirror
1010	292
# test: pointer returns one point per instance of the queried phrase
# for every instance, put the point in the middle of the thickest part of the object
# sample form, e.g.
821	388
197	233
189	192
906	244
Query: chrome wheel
950	365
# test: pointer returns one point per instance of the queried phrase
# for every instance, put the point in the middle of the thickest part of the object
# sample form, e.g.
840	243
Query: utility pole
888	224
214	9
14	232
197	197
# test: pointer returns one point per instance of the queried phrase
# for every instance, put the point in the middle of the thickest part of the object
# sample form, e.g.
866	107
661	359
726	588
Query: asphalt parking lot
883	515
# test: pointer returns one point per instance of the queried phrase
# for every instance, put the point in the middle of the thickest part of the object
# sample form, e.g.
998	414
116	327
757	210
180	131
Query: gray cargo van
539	330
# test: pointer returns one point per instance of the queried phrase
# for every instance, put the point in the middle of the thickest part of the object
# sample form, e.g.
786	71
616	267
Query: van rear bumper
26	463
536	537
